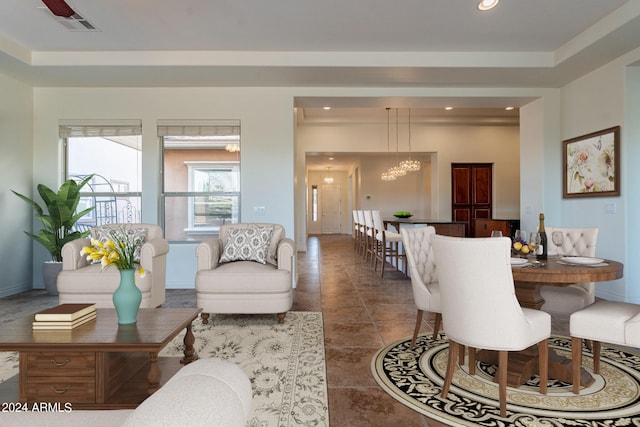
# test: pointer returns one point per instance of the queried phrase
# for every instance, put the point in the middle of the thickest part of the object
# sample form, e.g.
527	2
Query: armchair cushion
247	244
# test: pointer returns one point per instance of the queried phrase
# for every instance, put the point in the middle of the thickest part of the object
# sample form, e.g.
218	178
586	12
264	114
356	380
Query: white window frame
233	167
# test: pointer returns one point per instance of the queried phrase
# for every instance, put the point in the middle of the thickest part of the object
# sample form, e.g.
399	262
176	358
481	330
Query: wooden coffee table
99	365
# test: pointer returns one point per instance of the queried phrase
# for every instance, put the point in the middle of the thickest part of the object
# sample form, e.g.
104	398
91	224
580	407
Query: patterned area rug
285	363
415	378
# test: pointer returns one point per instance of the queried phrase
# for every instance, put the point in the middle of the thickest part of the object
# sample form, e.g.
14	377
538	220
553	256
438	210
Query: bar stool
356	231
361	227
387	246
369	236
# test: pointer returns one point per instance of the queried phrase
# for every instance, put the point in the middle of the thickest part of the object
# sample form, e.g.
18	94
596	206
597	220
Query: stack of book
65	316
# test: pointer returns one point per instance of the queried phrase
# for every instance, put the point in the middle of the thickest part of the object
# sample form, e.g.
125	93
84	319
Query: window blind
77	129
199	128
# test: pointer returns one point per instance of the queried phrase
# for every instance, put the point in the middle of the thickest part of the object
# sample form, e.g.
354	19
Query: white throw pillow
247	244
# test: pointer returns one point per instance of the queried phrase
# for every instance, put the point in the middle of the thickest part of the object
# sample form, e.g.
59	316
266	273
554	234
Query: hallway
362	313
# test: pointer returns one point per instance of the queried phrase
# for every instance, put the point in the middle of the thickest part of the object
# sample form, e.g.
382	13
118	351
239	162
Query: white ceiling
328	43
539	43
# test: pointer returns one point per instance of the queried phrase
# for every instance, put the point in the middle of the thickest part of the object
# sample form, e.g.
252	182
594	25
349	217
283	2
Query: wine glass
534	243
557	237
496	233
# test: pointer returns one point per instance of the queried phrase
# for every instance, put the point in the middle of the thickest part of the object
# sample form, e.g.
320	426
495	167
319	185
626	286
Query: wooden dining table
529	280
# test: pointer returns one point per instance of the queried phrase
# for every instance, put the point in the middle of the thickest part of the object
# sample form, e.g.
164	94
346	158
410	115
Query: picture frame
591	164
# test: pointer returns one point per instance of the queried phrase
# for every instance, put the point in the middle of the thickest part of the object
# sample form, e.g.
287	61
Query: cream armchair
245	286
82	281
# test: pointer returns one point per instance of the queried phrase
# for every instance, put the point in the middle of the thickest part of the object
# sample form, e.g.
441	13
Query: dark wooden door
471	193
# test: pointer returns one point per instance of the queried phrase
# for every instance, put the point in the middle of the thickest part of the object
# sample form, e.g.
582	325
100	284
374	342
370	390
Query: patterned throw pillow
135	235
247	244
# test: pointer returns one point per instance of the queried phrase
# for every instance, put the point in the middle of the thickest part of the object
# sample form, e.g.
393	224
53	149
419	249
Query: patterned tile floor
362	313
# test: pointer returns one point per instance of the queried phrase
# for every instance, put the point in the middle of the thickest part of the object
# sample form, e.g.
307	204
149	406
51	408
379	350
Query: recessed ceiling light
326	108
448	108
509	108
487	4
330	158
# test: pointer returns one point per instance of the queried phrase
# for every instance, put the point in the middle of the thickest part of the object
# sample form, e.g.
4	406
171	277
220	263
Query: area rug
285	363
415	378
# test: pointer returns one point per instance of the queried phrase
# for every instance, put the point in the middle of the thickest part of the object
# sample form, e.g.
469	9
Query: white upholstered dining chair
568	299
604	321
480	308
424	278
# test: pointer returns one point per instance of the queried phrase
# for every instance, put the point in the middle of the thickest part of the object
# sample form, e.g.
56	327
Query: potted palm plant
58	220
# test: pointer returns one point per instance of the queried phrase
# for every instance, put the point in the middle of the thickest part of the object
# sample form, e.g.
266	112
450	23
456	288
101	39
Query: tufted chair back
568	299
424	280
424	277
577	241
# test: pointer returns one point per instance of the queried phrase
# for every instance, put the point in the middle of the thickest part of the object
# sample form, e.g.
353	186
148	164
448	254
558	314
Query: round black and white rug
415	378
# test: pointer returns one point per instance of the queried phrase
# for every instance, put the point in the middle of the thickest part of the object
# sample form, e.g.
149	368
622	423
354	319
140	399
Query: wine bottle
542	248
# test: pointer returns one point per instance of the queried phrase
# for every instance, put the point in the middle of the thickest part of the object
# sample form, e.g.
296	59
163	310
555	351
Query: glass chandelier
328	179
410	165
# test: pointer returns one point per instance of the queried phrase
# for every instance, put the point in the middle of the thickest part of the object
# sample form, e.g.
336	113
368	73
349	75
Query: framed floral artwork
591	164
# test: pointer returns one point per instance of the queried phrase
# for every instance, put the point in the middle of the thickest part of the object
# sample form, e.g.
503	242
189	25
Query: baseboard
16	289
180	284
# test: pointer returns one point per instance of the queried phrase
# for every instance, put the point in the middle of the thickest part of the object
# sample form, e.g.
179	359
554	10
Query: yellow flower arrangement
120	249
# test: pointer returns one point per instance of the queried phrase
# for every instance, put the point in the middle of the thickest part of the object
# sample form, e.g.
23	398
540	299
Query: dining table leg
528	294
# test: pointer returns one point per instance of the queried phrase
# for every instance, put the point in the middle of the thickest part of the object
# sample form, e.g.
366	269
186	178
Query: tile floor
362	313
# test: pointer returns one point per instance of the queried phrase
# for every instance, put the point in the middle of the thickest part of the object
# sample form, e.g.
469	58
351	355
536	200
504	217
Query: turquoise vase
126	299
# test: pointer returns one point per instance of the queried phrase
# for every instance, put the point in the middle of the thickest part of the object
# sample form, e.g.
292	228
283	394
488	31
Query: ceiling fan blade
59	8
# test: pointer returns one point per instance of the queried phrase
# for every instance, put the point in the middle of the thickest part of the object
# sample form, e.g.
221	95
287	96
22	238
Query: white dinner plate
581	260
519	261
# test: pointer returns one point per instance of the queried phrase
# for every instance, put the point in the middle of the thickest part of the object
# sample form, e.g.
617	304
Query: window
111	151
207	212
201	178
314	203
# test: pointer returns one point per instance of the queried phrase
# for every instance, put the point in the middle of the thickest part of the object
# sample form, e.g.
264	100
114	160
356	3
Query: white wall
594	102
16	172
267	146
631	182
451	144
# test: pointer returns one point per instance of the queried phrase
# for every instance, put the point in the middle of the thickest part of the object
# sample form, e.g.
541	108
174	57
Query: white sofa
245	287
207	392
82	281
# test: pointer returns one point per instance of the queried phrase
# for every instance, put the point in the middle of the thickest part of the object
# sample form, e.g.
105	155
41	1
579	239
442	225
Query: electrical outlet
259	210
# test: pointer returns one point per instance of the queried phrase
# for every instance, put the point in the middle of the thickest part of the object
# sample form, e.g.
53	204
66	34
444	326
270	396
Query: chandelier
410	165
328	179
